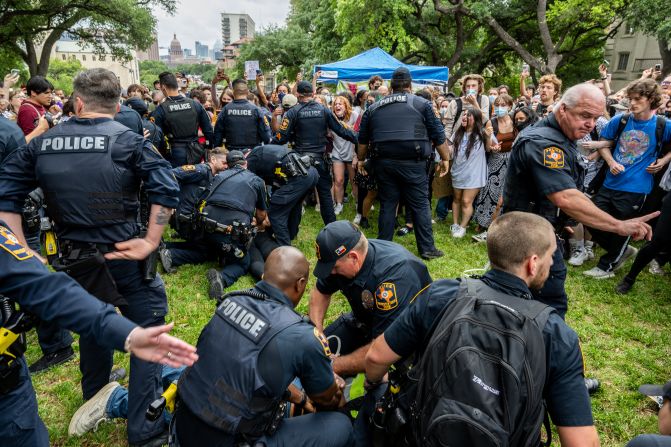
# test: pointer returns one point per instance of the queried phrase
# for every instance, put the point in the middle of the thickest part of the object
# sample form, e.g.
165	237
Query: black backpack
482	374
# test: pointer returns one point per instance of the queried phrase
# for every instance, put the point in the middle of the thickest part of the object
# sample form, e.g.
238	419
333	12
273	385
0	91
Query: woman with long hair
343	152
469	169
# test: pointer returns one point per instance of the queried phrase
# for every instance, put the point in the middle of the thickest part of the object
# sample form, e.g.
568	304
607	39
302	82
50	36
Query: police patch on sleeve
385	297
188	168
285	124
11	244
553	157
265	121
323	341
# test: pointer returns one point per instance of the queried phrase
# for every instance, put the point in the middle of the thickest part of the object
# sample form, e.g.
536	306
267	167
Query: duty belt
76	249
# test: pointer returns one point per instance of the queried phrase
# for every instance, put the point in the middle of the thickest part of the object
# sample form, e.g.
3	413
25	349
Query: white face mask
443	110
471	91
501	111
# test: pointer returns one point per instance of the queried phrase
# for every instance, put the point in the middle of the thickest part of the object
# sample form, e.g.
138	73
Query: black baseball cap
304	88
401	74
334	241
234	157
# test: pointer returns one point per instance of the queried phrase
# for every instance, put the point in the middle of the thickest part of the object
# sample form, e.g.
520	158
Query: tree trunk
665	51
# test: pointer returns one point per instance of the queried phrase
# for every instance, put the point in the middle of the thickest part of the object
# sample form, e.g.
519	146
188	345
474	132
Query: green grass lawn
625	339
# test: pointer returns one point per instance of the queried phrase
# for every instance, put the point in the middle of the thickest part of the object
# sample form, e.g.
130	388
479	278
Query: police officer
54	341
179	118
291	179
155	133
378	278
241	124
545	176
95	212
520	248
56	297
306	125
400	129
250	352
130	118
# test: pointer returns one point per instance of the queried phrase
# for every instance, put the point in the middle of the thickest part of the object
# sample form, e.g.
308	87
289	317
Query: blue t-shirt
635	150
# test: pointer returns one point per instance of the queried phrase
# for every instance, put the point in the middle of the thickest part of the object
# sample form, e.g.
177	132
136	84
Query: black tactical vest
83	186
224	388
182	119
263	160
240	129
310	129
397	118
231	190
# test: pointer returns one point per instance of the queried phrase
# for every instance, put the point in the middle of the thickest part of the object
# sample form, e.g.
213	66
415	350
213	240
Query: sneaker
459	232
364	223
433	254
357	219
479	238
578	256
317	209
117	374
50	360
629	253
166	260
453	229
216	289
404	230
656	269
589	251
337	209
592	385
93	412
598	273
625	286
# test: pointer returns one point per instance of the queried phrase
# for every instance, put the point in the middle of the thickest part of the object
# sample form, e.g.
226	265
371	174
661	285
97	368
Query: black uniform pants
324	185
178	155
620	205
407	179
660	243
147	306
263	244
286	206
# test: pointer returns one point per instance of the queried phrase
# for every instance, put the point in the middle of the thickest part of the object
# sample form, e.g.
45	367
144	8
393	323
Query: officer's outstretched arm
138	249
353	363
319	304
378	359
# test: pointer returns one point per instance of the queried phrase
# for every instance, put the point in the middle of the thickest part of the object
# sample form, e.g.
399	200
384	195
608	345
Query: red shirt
29	116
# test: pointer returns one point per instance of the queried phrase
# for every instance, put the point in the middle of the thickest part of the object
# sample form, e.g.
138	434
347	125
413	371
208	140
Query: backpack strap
495	125
659	134
460	108
620	126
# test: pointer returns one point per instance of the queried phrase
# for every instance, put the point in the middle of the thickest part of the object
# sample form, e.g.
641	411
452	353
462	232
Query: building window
93	58
628	29
623	61
64	56
83	57
101	58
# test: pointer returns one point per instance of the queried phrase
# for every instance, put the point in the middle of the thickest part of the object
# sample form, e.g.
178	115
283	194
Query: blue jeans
117	405
443	207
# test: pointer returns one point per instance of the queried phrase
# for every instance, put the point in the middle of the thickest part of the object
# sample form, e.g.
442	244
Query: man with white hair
544	172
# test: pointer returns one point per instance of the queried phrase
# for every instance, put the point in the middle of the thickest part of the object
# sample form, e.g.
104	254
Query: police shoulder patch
385	297
11	245
265	121
285	124
553	157
188	168
323	341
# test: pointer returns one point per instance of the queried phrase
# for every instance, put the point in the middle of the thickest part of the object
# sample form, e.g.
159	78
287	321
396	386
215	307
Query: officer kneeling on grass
56	297
250	352
488	355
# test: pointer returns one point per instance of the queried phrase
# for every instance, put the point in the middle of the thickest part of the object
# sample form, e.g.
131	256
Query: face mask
280	96
491	99
501	111
471	91
443	110
522	125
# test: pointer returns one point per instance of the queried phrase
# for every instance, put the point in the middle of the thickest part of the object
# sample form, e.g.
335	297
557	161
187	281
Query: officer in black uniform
400	129
155	133
250	352
291	179
520	248
241	124
179	118
95	212
378	278
54	341
306	125
56	297
130	118
545	177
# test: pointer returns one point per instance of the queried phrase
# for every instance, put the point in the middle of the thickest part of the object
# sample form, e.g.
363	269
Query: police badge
367	299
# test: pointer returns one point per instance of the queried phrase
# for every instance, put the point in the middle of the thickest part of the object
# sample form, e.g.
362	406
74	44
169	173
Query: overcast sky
201	20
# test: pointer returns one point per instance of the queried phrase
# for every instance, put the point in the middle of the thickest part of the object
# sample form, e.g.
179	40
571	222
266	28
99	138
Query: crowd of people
90	182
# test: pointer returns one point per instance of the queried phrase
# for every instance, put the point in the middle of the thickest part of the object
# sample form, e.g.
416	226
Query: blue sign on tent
377	62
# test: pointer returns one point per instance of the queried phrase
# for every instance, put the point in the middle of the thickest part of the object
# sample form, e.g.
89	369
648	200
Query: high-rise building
235	27
202	50
187	52
151	53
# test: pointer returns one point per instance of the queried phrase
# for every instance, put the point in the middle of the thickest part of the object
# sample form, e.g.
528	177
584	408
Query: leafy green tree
149	71
30	28
62	73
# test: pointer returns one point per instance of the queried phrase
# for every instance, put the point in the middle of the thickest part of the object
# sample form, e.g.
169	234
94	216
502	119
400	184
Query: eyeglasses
666	82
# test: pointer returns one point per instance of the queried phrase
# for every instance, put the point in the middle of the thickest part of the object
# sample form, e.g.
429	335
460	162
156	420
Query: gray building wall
629	53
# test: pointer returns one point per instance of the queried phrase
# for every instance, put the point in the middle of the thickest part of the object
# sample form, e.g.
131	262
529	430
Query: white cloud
200	19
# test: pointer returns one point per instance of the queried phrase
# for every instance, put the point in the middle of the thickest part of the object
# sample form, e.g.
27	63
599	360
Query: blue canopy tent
377	62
